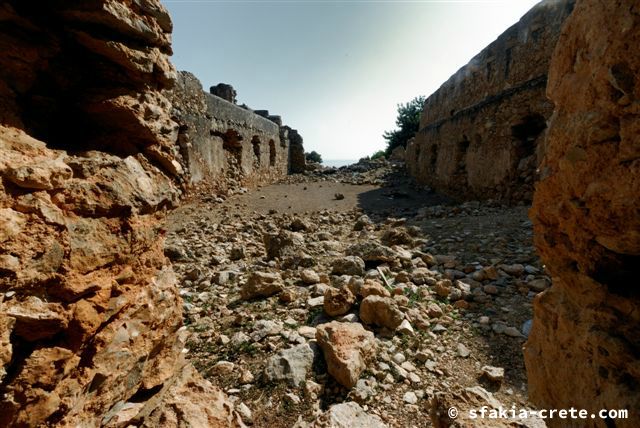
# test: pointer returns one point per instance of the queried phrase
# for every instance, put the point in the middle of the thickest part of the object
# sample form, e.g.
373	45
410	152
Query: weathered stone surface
224	91
223	143
582	349
283	243
297	160
90	316
338	301
348	415
261	284
36	319
291	365
350	265
479	132
346	347
381	311
372	251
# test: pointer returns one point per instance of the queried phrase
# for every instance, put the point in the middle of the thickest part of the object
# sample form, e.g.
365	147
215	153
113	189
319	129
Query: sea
338	162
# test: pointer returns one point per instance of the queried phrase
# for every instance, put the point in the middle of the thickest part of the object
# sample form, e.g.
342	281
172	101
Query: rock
362	223
351	265
309	277
316	301
373	288
443	288
237	253
35	319
538	285
261	284
494	374
396	237
372	251
585	218
421	276
307	332
282	244
513	270
381	311
245	413
463	352
434	310
338	196
291	365
292	398
222	368
262	329
346	347
405	328
338	301
484	396
43	174
410	397
345	415
512	331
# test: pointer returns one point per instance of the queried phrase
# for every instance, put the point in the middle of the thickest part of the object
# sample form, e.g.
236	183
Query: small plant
313	157
378	155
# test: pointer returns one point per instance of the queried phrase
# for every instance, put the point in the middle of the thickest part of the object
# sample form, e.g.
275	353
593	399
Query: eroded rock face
90	317
66	82
582	350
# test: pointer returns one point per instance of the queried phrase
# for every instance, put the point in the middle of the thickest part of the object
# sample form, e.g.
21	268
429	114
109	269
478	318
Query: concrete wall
223	142
479	132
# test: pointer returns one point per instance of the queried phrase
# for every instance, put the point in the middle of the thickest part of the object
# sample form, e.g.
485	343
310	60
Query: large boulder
381	311
347	347
582	349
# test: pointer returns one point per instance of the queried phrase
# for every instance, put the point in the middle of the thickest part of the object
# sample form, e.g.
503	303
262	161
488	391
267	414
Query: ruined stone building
479	133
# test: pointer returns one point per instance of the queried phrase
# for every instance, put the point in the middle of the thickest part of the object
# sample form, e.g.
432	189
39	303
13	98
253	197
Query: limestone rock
381	311
261	284
338	301
291	365
351	265
346	347
36	319
372	251
350	415
282	244
580	350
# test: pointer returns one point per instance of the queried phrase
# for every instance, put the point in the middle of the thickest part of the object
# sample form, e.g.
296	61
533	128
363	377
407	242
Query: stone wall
479	132
584	347
224	143
90	317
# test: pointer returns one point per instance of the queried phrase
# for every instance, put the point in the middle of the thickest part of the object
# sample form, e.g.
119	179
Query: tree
313	157
408	122
378	155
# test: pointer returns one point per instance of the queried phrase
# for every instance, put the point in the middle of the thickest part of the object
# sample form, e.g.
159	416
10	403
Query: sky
334	70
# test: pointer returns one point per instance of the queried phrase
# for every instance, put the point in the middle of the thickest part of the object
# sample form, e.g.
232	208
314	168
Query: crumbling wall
90	316
297	160
225	143
584	346
479	132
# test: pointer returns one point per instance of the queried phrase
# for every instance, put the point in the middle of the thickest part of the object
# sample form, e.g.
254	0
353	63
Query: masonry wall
224	143
480	131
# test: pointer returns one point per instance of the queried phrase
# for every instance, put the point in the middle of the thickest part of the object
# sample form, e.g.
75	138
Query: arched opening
232	145
257	151
272	153
526	132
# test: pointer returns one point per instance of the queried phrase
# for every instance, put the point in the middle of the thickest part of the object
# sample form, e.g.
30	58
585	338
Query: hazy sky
334	70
